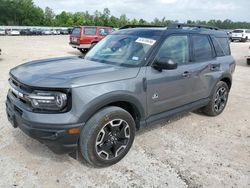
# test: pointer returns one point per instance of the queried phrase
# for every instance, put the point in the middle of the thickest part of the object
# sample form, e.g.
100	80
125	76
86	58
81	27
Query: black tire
248	61
218	100
83	50
107	137
93	44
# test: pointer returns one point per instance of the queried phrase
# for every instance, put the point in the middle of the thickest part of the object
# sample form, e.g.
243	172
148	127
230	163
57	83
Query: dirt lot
190	151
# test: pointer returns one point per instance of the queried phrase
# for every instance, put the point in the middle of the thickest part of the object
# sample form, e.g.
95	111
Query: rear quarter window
89	30
221	46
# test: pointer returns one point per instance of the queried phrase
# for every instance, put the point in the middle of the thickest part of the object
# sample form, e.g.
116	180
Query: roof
175	28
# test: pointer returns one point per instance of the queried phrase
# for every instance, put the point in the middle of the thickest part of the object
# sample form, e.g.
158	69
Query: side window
202	48
221	46
175	48
89	30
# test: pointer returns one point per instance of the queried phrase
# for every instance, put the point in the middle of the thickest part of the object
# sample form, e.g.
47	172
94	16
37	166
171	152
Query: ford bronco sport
132	78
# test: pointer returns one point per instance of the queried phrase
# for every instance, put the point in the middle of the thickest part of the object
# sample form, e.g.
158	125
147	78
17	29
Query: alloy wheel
220	99
112	139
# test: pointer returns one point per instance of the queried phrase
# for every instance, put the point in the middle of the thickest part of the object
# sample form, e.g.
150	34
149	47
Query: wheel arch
124	101
227	80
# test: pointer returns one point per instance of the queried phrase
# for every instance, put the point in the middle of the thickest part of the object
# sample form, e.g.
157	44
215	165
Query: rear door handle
186	74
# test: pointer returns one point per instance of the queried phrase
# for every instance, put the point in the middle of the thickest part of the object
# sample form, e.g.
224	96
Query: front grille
19	91
21	86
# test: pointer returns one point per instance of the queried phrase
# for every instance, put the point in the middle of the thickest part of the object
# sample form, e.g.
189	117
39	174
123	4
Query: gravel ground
189	151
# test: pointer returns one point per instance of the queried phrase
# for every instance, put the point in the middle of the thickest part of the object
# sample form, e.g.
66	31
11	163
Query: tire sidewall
217	87
98	121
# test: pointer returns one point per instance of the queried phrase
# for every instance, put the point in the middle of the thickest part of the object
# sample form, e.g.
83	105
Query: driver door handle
186	74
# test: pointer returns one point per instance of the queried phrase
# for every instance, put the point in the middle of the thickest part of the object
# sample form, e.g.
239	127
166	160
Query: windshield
125	50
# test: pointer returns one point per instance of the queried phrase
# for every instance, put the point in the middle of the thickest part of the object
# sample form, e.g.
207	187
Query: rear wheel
107	137
93	44
218	100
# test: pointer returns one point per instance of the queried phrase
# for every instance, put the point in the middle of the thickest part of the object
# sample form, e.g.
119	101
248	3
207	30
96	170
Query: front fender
98	103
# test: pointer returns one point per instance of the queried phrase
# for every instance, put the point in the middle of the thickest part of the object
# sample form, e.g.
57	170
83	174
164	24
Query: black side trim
158	118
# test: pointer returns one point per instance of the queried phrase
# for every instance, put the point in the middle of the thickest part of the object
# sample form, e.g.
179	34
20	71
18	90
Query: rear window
221	46
90	30
238	31
76	31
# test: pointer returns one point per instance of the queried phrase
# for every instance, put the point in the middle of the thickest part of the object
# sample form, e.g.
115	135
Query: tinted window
221	46
76	31
89	30
238	31
202	48
175	48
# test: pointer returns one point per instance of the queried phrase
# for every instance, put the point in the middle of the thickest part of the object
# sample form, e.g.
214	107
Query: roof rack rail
134	26
181	25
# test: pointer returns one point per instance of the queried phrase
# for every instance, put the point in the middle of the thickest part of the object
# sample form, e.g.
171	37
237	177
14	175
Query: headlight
53	101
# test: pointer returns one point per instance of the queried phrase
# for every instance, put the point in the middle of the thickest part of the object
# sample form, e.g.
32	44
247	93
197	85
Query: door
205	66
168	89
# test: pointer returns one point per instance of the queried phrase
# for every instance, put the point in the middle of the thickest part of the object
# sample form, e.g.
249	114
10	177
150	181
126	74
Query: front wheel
218	100
107	137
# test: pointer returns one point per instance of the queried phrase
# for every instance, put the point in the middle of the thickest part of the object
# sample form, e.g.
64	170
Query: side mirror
164	64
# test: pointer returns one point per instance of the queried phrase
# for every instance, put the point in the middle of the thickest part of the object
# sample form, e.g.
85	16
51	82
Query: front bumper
53	134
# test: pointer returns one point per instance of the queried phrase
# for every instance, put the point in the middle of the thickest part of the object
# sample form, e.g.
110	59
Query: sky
181	10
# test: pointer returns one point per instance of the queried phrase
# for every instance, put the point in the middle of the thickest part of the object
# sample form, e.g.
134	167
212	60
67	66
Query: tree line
26	13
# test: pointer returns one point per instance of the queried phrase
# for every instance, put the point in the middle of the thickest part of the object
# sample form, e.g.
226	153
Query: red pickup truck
85	37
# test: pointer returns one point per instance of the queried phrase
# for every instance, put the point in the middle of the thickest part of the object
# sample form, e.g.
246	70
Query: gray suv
134	77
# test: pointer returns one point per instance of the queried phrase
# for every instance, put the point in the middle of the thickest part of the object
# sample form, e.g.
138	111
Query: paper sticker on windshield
146	41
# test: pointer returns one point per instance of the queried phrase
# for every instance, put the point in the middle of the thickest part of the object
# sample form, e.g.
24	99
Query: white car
53	32
14	32
47	32
2	32
242	35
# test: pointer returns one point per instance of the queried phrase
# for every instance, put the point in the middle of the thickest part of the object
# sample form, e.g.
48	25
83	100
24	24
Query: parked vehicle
58	32
53	32
47	32
85	37
26	32
64	32
37	31
13	32
242	35
134	77
0	51
2	32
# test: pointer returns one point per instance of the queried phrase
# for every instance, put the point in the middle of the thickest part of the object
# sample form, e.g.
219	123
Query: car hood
69	72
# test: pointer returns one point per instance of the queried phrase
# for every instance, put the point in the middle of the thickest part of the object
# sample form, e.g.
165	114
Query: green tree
49	16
